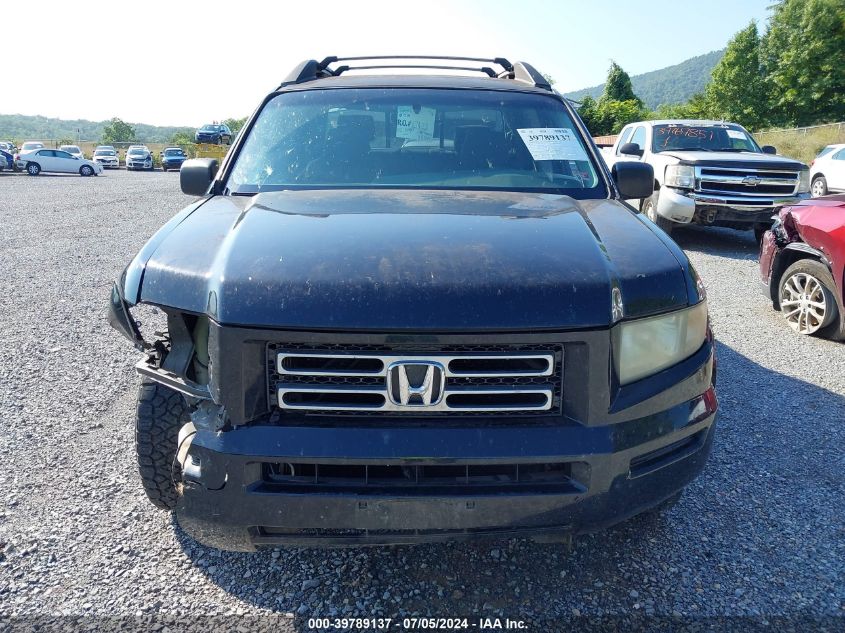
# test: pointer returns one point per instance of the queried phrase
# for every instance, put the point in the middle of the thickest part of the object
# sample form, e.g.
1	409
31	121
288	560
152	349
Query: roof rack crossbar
500	61
484	69
311	69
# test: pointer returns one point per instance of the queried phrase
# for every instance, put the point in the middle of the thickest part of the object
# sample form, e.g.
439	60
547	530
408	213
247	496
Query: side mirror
196	175
631	149
633	179
769	149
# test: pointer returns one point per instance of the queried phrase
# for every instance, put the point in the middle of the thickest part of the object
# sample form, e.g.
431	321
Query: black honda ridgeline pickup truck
416	308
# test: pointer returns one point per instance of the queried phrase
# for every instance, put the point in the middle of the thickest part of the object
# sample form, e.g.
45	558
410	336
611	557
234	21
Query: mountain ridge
669	85
20	127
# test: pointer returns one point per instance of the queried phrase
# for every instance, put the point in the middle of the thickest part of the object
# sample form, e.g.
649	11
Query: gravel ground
759	533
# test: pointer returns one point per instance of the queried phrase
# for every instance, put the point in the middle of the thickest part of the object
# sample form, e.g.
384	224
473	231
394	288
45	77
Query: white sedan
56	160
827	171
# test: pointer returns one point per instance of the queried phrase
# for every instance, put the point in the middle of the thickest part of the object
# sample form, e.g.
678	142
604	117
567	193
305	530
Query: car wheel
33	169
807	299
86	170
649	209
163	167
819	186
161	413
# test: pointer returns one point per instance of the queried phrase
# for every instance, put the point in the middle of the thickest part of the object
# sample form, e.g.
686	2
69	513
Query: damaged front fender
121	320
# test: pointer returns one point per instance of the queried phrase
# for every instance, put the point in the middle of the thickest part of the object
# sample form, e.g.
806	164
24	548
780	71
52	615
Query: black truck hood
409	259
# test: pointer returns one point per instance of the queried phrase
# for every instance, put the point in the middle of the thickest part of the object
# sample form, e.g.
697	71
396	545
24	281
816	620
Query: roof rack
520	71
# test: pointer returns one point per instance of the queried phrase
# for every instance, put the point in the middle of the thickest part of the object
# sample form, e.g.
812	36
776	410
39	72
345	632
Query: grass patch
803	143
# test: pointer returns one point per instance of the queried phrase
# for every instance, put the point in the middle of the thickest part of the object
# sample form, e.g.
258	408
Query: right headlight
646	346
682	176
804	181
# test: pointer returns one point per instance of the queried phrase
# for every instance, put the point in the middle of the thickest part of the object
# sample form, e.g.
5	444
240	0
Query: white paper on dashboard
552	143
415	126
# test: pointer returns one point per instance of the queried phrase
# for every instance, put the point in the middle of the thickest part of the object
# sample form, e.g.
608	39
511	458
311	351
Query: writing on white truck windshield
707	138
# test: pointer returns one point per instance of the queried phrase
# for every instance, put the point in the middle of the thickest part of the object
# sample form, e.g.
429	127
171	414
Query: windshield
173	152
31	146
827	150
104	152
70	148
137	152
208	128
710	138
415	138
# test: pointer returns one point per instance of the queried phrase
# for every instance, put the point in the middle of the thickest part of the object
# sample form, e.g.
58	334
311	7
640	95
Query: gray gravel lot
760	532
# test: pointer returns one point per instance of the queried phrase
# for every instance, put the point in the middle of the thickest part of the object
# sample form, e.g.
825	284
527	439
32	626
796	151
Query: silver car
139	157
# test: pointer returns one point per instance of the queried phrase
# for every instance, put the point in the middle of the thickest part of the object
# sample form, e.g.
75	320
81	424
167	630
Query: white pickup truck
709	172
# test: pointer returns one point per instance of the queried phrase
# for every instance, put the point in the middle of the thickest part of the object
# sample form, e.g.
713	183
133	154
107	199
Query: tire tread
160	414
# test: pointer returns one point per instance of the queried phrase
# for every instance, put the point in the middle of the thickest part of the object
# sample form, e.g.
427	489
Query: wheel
649	208
86	170
160	414
808	301
819	186
33	169
163	167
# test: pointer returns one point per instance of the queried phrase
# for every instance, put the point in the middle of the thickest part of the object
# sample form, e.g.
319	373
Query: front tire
161	412
807	297
33	169
819	186
649	209
86	171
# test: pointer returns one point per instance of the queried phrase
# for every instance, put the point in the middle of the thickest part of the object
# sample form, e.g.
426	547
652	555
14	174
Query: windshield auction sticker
415	125
552	143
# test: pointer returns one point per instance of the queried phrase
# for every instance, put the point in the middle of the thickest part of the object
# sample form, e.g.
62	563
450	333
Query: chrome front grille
733	181
443	382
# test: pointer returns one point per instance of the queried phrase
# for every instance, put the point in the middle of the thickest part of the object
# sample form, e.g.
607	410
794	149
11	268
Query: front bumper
612	473
139	165
685	207
173	164
108	164
205	139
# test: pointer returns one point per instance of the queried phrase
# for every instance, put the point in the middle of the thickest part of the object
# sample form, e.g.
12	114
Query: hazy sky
188	62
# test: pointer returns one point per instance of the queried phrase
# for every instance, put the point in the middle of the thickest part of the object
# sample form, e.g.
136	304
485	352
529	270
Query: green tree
804	60
182	138
618	86
617	106
66	141
235	124
696	108
737	90
609	116
613	115
117	131
587	111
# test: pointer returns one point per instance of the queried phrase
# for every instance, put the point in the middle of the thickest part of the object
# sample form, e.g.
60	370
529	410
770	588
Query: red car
801	263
